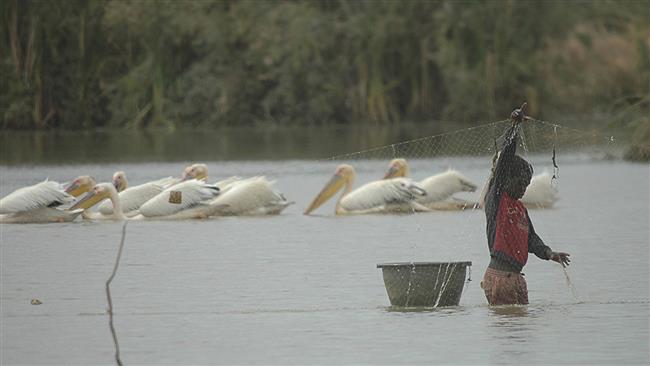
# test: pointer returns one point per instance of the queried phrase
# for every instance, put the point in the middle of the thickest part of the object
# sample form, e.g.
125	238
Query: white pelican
119	181
81	185
185	200
40	203
200	172
243	197
540	193
132	198
196	171
251	197
389	195
440	187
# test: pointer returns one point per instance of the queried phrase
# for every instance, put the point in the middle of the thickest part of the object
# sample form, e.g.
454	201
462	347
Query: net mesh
537	137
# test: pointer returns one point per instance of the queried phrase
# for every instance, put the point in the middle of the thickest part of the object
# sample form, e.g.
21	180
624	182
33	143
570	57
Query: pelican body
440	187
540	193
186	200
134	197
242	197
251	197
382	196
40	203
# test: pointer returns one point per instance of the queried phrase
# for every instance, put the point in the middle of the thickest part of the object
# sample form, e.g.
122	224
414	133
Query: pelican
132	198
196	171
381	196
200	172
40	203
440	187
81	185
185	200
119	181
540	193
251	197
243	197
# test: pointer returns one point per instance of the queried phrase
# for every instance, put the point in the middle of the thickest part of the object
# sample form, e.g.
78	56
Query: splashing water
569	284
445	281
469	277
408	290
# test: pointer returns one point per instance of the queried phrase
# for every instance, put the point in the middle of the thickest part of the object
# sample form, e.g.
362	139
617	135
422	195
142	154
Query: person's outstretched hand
561	257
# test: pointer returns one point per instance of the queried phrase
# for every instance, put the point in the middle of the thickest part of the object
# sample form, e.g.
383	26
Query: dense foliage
82	64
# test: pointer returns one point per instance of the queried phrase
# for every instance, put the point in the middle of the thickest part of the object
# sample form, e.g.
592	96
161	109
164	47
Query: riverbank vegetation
147	64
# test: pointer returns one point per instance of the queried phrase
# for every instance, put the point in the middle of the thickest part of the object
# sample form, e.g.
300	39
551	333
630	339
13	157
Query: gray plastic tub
424	284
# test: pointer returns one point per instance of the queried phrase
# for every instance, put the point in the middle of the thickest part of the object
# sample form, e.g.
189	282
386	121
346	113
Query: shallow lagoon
294	289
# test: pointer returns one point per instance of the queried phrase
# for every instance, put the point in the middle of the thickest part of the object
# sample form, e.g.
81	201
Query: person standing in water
510	232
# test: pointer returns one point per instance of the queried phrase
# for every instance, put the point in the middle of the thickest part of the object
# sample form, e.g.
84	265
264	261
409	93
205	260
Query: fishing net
543	144
546	145
537	138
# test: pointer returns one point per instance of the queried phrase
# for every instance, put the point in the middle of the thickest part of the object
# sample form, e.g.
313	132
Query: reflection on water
42	147
509	311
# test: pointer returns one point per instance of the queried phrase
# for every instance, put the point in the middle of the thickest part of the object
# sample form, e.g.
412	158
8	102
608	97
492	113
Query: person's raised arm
509	147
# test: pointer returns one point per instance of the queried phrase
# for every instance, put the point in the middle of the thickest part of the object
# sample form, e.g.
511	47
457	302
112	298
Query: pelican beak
76	189
89	200
393	172
334	185
116	185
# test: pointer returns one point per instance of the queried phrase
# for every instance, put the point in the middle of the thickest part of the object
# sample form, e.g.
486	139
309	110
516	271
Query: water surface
295	289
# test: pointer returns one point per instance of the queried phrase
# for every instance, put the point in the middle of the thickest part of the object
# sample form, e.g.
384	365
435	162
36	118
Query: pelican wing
442	186
166	182
178	198
252	196
44	194
380	193
225	184
134	197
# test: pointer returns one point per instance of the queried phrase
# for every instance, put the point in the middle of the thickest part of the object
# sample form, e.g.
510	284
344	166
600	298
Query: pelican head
343	176
97	194
119	181
80	185
459	181
398	168
196	171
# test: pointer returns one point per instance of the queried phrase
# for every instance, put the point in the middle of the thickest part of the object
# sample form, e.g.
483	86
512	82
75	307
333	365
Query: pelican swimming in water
40	203
80	185
132	198
185	200
440	187
382	196
243	197
541	192
199	171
